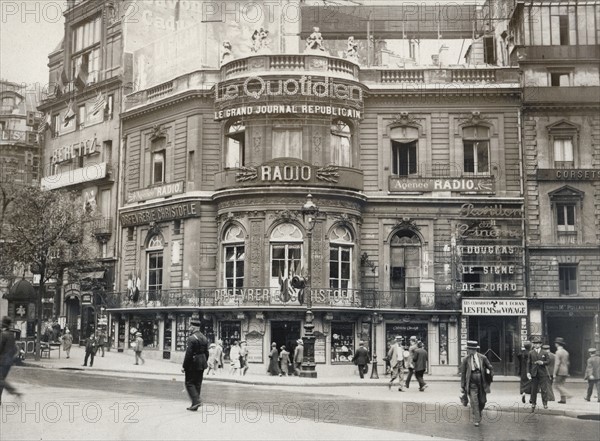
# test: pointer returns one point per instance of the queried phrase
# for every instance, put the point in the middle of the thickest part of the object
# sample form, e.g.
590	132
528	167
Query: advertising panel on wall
189	34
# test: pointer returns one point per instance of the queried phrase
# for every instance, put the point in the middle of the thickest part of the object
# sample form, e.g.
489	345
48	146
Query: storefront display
229	332
167	339
342	342
407	330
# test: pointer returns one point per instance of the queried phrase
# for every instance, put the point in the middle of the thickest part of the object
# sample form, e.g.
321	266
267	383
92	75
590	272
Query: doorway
496	337
577	332
285	333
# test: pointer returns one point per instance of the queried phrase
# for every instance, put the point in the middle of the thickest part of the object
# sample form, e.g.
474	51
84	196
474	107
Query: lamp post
374	373
309	213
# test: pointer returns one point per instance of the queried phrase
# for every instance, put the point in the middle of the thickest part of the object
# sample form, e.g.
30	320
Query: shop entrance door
285	333
496	336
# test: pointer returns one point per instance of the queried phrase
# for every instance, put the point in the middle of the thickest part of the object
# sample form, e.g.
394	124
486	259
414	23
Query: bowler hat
536	340
472	344
6	322
545	346
299	341
399	337
592	350
195	323
560	341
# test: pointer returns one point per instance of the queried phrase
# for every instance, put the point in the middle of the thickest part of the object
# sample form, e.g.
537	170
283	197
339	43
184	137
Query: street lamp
309	213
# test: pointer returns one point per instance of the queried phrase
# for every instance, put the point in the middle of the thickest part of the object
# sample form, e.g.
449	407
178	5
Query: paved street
75	404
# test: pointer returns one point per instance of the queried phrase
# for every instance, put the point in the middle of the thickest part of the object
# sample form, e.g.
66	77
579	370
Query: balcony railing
272	297
102	226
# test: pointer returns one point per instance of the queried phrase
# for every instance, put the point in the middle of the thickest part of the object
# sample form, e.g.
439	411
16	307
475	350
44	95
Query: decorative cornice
406	223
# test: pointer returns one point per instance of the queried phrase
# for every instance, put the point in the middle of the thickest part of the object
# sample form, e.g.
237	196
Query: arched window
405	269
476	144
234	253
286	253
341	144
155	266
235	145
340	258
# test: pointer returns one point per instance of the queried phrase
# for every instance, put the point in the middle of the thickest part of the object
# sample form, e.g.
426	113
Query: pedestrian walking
138	347
8	351
274	361
234	358
475	368
67	341
395	355
219	354
592	374
243	357
101	341
523	370
388	368
284	360
411	366
91	344
538	373
550	367
194	364
561	369
212	360
298	356
361	359
420	360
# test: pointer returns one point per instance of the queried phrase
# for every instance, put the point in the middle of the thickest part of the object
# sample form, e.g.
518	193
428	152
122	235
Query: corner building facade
417	182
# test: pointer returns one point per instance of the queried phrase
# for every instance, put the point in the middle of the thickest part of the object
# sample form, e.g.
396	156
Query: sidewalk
442	390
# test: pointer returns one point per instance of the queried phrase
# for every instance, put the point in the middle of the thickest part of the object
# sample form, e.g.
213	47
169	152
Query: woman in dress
67	341
274	361
234	357
284	357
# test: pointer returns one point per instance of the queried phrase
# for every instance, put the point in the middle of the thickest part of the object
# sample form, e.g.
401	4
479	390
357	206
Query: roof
21	291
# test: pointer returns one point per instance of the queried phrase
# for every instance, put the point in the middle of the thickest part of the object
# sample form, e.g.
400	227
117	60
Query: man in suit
361	358
8	350
592	374
561	369
420	363
473	381
298	356
411	367
194	364
395	357
90	349
538	373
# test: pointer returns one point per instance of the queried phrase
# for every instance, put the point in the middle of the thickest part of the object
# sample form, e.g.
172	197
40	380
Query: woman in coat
67	341
284	357
212	359
274	361
525	383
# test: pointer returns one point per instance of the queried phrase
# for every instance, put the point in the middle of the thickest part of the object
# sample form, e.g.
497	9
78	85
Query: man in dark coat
538	372
194	364
523	370
298	357
8	350
420	359
592	374
361	358
91	345
473	381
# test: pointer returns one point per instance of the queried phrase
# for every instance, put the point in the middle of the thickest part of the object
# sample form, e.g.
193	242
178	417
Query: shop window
404	158
405	267
155	267
341	144
342	342
149	330
287	143
443	343
183	333
340	258
476	148
235	147
286	255
229	332
563	153
234	253
567	279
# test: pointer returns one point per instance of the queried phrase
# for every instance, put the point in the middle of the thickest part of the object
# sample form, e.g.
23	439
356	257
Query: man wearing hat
298	356
561	369
538	373
361	359
194	364
395	357
473	382
138	347
8	349
91	344
411	355
592	374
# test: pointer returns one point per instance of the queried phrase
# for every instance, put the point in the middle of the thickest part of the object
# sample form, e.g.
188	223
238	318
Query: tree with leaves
46	231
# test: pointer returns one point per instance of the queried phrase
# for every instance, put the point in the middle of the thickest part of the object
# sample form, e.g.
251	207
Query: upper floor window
567	279
286	258
476	143
85	62
565	217
563	152
563	136
563	21
234	253
405	269
340	258
404	150
567	205
81	115
155	266
341	144
287	143
560	79
86	34
159	159
235	145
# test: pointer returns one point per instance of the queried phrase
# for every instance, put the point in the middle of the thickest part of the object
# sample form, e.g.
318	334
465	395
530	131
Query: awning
94	275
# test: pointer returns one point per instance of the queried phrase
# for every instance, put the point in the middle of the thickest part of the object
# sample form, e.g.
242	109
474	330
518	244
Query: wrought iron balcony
102	227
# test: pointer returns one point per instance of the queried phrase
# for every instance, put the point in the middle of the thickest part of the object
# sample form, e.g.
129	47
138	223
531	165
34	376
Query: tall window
286	254
234	254
405	269
476	144
564	29
81	114
86	49
565	217
287	143
155	267
563	153
341	142
404	158
158	167
559	79
340	258
567	205
235	145
567	279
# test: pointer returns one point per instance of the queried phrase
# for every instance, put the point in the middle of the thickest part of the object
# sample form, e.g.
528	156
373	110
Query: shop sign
494	307
497	210
280	109
65	153
21	311
487	230
160	214
410	185
568	175
570	307
155	192
338	297
86	298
